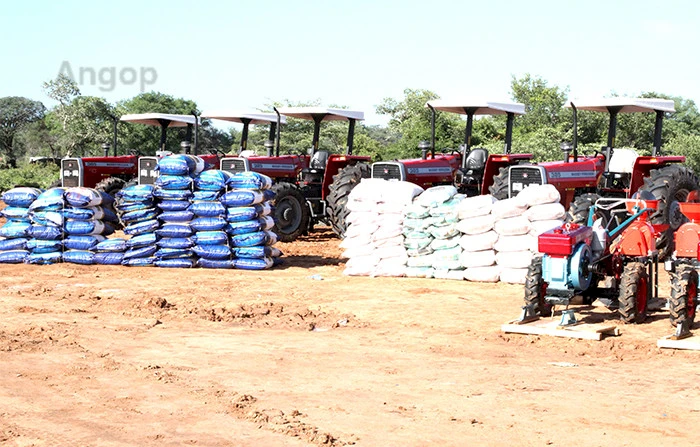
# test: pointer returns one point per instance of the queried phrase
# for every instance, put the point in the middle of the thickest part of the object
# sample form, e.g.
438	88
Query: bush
29	175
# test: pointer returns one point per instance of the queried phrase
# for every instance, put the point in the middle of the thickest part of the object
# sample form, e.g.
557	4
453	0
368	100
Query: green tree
543	104
15	114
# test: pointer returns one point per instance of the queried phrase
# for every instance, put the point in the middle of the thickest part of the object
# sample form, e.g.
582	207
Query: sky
241	55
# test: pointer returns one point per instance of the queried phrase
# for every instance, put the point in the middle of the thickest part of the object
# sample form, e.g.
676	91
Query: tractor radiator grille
147	170
520	177
71	172
233	165
389	171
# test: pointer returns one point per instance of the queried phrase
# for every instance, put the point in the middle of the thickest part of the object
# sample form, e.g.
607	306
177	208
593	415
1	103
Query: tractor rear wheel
535	288
684	295
291	212
634	293
343	183
581	207
499	188
111	185
669	185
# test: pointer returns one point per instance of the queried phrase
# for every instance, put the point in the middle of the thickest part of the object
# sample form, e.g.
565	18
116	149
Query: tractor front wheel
669	185
343	183
499	188
684	295
535	288
634	293
291	212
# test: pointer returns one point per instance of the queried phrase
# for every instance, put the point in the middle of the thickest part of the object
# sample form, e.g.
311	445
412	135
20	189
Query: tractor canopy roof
478	107
625	105
239	117
159	119
308	113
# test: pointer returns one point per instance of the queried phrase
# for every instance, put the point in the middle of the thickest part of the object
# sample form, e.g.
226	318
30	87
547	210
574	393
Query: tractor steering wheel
217	151
136	152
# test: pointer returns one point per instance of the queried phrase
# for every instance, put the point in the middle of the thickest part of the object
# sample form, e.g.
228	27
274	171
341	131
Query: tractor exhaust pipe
196	132
279	125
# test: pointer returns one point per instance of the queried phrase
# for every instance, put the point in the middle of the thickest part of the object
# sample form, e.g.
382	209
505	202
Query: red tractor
312	187
111	173
576	257
615	173
683	268
471	170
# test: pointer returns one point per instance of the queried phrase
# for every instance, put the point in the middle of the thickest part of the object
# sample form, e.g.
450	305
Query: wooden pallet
584	331
691	342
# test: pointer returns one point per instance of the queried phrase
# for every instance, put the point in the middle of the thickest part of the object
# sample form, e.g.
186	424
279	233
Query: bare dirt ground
117	356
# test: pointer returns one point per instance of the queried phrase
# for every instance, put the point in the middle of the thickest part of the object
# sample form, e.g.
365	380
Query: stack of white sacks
374	243
478	239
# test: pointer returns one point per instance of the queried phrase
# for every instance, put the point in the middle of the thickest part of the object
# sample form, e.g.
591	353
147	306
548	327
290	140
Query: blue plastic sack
269	194
16	212
141	252
146	226
125	207
212	180
174	205
83	197
84	227
136	193
44	258
48	218
15	228
139	262
175	242
142	240
175	230
208	223
21	196
242	197
13	256
87	213
116	245
140	215
252	239
13	244
250	226
176	216
44	246
44	232
208	196
258	251
173	194
208	209
177	164
212	251
174	182
50	198
109	258
243	213
215	264
250	180
253	263
77	242
172	253
79	257
175	263
210	238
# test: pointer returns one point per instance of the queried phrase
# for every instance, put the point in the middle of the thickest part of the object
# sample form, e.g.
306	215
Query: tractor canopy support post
656	150
196	132
244	135
575	132
351	135
279	126
317	132
163	133
432	130
509	132
273	130
612	127
468	135
115	121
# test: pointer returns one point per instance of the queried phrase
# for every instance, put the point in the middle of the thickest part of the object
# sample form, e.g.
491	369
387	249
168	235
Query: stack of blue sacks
249	220
211	241
46	231
139	216
14	235
173	190
88	218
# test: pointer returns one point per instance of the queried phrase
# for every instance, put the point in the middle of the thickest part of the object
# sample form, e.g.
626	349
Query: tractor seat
319	160
622	161
474	165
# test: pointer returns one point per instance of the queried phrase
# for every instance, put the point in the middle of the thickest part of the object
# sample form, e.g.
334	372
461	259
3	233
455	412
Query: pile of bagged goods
190	217
397	229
